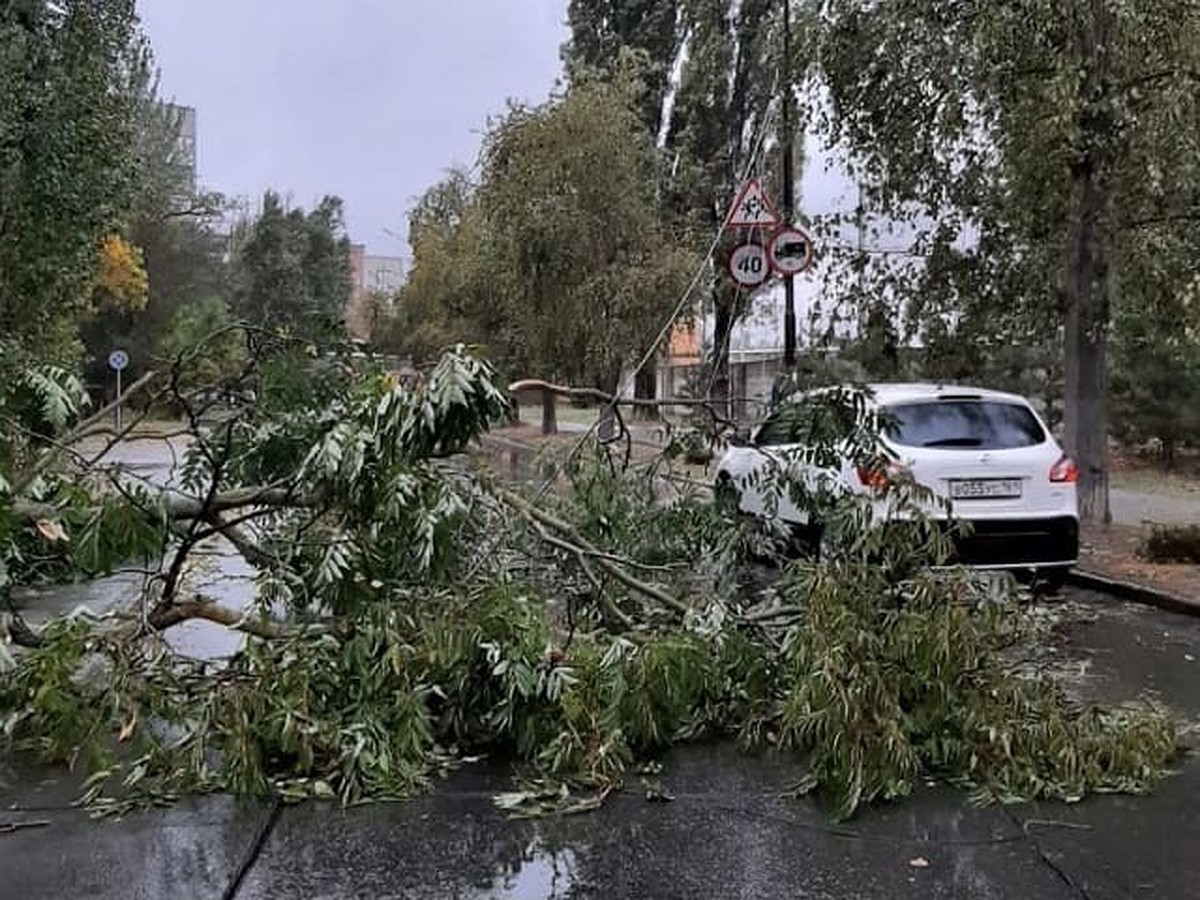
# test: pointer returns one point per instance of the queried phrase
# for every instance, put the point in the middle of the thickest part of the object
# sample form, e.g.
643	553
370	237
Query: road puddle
542	873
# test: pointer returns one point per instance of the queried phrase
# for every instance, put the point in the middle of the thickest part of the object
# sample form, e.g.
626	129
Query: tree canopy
68	73
557	259
1046	155
291	269
586	271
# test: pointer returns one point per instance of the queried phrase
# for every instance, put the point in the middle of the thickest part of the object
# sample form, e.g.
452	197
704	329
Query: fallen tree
410	610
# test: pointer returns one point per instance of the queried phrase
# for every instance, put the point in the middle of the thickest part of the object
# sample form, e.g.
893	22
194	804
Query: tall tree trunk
722	331
645	387
609	383
1085	403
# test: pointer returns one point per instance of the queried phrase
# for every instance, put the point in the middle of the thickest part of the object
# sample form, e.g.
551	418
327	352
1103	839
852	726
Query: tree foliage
67	160
162	254
557	260
585	270
411	611
205	345
437	305
120	282
292	268
603	32
1045	157
1156	371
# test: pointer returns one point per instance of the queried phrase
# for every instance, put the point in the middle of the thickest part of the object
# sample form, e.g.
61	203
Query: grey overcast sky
371	100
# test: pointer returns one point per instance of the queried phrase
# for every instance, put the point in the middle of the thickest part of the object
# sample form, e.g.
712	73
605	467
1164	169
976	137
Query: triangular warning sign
752	209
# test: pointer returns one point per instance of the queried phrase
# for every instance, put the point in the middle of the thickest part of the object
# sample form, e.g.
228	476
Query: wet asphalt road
728	833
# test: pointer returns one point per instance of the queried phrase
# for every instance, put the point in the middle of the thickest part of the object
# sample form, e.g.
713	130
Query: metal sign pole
117	361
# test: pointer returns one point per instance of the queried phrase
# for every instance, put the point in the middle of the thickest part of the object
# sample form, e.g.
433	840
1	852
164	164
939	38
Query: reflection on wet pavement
217	572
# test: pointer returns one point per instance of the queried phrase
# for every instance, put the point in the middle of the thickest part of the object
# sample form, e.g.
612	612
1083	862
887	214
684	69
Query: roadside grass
1150	479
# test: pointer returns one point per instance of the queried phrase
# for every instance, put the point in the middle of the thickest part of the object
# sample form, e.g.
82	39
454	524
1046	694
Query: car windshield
974	424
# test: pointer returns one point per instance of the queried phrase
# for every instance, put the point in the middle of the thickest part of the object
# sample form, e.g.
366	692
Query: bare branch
164	616
180	507
579	544
241	540
1187	215
610	608
79	431
1170	73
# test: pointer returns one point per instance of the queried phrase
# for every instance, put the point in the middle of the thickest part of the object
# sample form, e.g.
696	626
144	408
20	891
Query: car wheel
1050	582
808	541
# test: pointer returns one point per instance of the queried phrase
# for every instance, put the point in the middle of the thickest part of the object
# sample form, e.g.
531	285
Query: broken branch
583	546
178	506
163	617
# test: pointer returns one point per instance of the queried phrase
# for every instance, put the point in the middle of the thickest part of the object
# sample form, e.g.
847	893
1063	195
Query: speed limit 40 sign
749	266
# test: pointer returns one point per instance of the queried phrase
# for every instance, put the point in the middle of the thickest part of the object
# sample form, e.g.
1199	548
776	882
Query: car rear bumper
1019	543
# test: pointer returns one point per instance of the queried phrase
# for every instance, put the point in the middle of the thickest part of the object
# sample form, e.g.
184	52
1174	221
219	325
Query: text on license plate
985	488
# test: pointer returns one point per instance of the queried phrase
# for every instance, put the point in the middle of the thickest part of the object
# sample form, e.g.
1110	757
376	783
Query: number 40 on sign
749	266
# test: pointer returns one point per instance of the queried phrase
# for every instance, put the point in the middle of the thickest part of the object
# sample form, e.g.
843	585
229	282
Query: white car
987	457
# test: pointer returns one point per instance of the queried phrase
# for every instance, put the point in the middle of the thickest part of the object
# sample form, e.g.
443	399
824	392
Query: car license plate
985	489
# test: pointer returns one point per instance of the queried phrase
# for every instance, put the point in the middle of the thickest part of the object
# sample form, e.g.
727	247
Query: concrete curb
1138	593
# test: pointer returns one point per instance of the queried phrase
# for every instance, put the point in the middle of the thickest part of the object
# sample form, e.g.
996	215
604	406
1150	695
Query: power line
767	120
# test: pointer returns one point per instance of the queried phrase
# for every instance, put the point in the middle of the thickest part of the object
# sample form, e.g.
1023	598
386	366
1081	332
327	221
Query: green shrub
1171	544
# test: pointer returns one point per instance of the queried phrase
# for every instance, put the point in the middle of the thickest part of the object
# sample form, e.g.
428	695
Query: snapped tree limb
599	396
165	616
608	606
180	506
580	545
83	429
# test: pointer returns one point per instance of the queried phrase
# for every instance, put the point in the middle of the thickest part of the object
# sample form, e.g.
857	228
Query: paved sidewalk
1131	507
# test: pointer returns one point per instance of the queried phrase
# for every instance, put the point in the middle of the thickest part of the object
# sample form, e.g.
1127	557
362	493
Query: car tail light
879	474
873	476
1064	471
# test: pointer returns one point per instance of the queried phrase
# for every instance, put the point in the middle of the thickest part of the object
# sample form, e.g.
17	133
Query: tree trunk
1085	401
645	387
608	384
549	413
722	331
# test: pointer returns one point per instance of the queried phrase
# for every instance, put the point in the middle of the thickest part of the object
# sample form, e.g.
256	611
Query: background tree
438	305
171	228
202	338
709	112
67	161
580	262
605	31
720	119
1046	147
1156	372
291	268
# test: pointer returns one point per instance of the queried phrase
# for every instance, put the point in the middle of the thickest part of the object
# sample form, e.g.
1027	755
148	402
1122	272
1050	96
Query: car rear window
973	424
